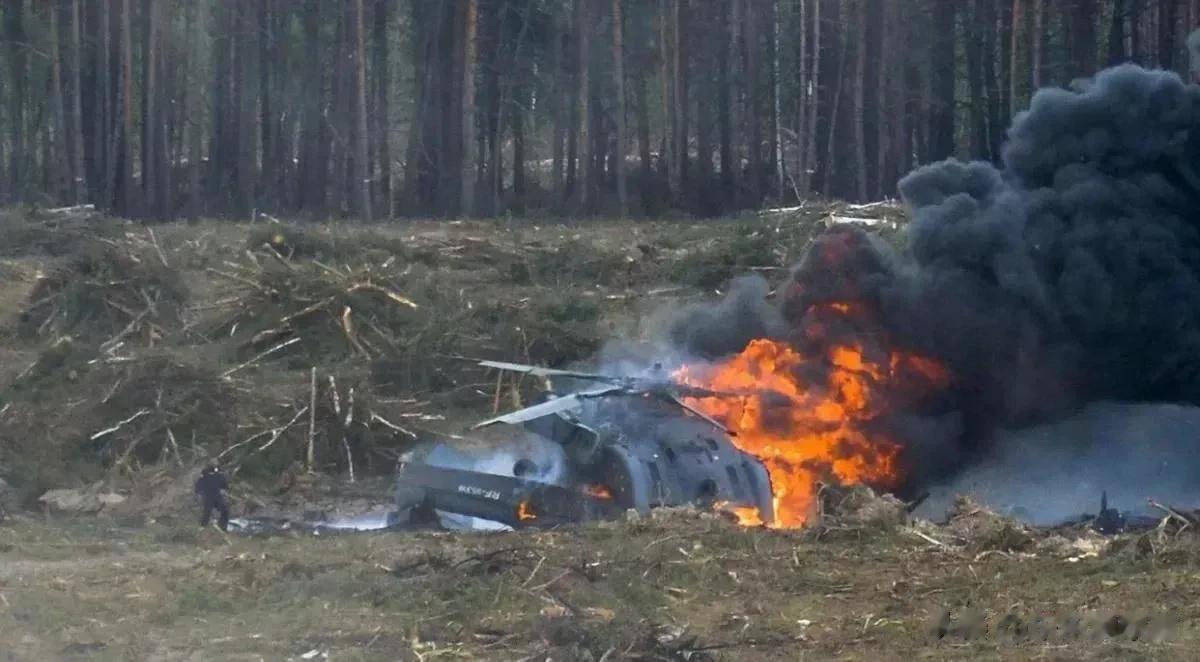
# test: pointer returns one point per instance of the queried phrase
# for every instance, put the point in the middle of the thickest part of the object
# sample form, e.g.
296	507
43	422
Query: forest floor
129	353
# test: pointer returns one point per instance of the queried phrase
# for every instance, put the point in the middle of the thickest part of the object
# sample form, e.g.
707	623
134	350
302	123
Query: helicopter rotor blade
538	371
549	407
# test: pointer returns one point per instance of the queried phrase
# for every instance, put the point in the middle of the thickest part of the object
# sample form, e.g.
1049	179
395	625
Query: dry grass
677	586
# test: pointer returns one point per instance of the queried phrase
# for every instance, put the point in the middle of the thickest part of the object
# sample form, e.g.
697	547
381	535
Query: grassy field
679	586
129	353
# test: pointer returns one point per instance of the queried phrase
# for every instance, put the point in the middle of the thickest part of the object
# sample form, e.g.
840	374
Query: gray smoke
1051	473
709	331
1066	275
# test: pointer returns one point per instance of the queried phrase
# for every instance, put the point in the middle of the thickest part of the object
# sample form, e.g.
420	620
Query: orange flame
808	417
746	515
597	491
525	512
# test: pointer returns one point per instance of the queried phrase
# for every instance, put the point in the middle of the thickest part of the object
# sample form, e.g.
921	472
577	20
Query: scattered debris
982	530
861	507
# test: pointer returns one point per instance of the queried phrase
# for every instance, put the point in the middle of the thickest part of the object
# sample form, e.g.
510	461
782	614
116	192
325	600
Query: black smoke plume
1070	273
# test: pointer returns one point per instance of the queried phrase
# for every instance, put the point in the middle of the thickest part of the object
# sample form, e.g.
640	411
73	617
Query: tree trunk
382	102
61	180
679	91
1133	28
424	153
244	108
754	104
1116	33
582	31
830	153
150	94
1168	44
814	99
802	79
362	165
776	101
886	97
79	174
999	96
902	121
884	117
559	110
643	136
726	98
977	51
219	169
521	104
341	115
125	204
268	55
1014	54
491	100
98	165
15	38
314	165
470	27
619	81
942	115
1039	14
1083	38
705	31
860	119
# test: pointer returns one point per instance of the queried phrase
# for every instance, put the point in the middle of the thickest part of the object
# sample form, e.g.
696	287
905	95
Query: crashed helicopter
631	443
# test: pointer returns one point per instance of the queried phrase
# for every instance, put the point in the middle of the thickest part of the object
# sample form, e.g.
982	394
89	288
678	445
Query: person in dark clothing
211	487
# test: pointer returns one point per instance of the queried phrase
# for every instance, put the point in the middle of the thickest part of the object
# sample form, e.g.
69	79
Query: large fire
811	417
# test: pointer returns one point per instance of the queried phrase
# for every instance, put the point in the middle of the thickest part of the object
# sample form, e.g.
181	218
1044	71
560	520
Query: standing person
211	487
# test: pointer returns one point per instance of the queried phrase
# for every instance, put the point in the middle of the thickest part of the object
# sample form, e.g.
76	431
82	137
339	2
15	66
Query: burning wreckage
632	443
1037	339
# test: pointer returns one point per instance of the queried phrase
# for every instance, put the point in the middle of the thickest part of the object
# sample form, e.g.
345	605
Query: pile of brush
109	291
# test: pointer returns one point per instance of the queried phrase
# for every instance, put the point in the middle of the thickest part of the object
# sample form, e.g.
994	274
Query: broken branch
118	426
260	356
389	424
280	430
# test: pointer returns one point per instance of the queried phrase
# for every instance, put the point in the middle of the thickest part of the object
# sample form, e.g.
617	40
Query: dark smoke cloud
710	331
1079	259
1070	273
